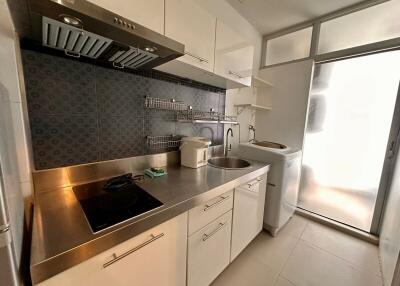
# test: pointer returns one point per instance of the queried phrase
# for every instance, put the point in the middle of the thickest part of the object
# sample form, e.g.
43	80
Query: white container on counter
194	151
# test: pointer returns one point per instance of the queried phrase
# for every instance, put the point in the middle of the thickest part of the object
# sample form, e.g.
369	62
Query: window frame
386	45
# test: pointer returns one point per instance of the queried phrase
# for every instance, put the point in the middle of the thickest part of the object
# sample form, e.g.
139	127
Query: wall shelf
241	107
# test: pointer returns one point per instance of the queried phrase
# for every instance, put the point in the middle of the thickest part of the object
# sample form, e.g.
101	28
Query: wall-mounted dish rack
197	116
164	142
165	104
186	113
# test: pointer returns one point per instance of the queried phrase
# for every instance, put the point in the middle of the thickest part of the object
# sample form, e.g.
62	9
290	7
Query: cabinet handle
216	203
235	74
220	226
196	57
252	184
125	254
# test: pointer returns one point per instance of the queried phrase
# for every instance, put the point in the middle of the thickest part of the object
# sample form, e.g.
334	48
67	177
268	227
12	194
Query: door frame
392	148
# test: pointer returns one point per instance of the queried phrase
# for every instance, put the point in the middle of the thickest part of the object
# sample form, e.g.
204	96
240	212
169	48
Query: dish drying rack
164	142
186	114
197	116
165	104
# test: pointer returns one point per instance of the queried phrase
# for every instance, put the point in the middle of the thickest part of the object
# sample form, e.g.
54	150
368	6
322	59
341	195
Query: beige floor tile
246	271
294	227
311	266
272	251
283	282
361	254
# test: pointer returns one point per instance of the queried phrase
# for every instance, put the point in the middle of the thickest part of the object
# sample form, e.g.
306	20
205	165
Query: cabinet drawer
209	251
209	211
154	257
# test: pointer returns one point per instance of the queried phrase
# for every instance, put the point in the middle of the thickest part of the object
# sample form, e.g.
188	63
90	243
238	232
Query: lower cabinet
248	214
155	257
209	251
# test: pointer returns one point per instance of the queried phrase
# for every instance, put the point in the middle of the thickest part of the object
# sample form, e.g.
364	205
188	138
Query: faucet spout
228	146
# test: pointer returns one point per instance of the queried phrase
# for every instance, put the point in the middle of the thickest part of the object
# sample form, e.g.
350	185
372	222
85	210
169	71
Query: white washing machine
283	180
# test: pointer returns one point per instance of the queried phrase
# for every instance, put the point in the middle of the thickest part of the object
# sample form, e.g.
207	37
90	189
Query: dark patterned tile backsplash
81	113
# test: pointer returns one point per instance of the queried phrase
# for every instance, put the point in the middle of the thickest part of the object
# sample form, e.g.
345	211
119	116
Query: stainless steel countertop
62	238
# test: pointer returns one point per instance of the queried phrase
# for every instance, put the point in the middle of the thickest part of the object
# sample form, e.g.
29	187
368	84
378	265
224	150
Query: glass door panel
350	114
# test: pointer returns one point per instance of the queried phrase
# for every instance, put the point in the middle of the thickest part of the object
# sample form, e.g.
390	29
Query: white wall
246	117
288	97
389	241
19	172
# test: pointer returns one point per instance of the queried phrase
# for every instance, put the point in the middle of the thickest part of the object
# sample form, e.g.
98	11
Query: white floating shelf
253	106
259	82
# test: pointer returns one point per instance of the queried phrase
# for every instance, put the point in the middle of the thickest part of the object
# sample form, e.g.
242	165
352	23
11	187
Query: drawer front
160	250
201	215
209	251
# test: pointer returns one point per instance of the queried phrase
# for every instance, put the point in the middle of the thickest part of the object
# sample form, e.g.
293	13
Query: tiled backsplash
81	113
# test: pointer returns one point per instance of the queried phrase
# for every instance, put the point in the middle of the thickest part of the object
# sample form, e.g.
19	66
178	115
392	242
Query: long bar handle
125	254
235	74
196	57
216	203
252	184
220	226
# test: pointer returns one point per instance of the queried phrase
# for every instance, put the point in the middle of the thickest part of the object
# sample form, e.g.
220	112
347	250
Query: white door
192	25
149	13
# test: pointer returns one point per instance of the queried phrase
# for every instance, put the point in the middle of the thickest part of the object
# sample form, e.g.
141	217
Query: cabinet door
209	251
149	13
248	211
190	24
233	55
155	257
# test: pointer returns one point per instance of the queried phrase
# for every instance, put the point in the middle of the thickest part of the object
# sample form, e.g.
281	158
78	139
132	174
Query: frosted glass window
289	47
374	24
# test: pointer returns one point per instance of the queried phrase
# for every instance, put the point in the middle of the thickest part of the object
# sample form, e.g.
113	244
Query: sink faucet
251	128
227	139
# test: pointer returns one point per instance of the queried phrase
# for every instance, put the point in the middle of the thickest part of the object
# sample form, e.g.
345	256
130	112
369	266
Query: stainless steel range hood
79	28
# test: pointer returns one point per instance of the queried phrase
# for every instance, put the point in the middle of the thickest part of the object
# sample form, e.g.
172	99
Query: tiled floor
304	253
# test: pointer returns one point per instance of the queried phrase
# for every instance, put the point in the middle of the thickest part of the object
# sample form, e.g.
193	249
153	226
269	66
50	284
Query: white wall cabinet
209	251
149	13
189	23
233	55
155	257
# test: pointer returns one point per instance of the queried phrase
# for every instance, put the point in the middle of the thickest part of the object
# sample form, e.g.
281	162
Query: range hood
79	28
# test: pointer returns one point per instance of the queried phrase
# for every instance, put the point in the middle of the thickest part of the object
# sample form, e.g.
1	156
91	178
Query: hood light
71	20
150	49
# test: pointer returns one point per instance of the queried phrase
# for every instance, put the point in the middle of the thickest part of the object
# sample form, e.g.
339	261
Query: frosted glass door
350	114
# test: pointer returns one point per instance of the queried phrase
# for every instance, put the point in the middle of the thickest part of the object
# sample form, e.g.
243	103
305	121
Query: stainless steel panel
62	238
51	179
7	267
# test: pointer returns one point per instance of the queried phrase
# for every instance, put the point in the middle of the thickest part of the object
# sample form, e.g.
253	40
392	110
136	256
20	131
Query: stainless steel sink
272	145
228	163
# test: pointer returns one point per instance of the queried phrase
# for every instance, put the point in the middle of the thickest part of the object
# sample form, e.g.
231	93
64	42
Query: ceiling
269	16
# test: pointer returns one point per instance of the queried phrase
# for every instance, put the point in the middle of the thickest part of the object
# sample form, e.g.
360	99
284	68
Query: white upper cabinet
192	25
149	13
233	55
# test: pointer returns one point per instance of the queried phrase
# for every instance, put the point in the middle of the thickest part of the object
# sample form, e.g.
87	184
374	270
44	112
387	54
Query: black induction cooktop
109	202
